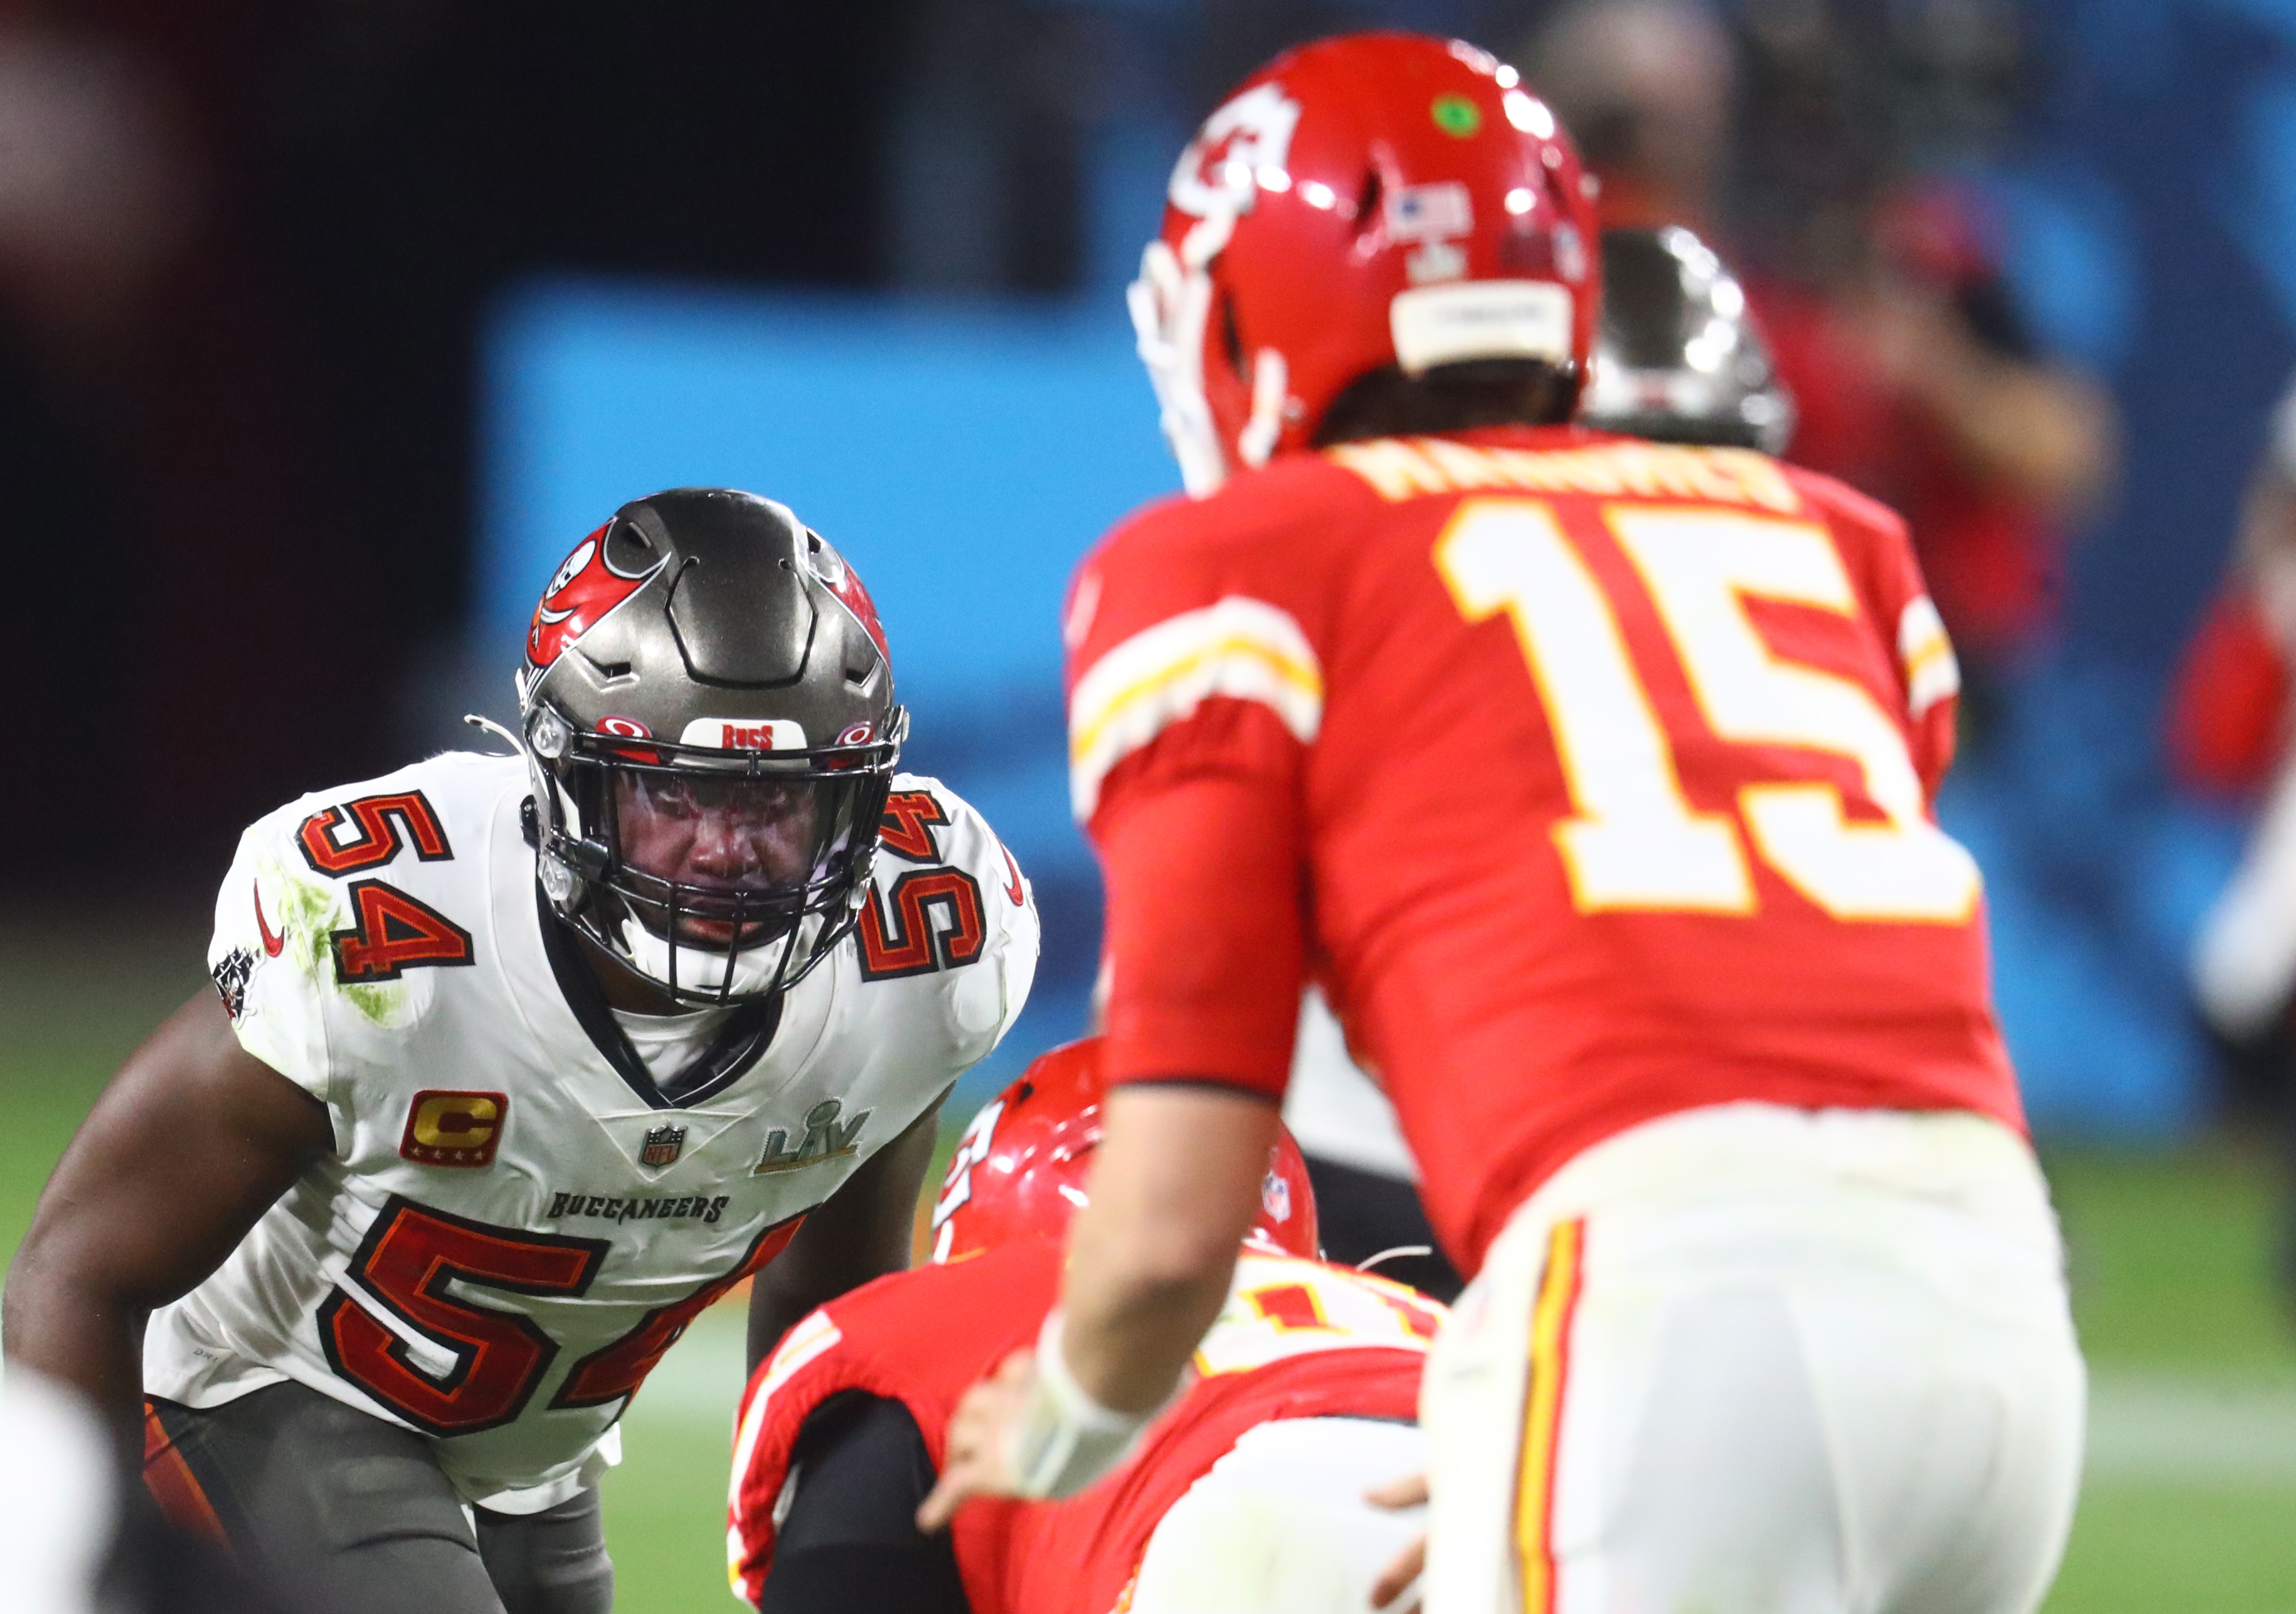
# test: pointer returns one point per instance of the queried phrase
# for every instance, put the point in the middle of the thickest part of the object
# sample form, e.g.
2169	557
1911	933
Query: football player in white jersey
516	1062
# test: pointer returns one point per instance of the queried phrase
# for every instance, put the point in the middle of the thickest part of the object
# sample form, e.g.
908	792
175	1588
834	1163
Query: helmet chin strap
753	970
1270	376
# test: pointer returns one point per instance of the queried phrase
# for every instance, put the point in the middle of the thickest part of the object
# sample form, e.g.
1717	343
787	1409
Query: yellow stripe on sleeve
1238	647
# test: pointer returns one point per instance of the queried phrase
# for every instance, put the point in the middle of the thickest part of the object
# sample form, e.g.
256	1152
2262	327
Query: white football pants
1755	1360
1280	1525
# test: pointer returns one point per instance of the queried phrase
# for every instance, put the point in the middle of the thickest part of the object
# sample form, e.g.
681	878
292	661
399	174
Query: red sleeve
2227	706
976	1314
1878	554
1205	932
1195	689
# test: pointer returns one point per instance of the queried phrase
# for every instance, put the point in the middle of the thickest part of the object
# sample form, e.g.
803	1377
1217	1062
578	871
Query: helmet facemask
1680	357
714	876
709	725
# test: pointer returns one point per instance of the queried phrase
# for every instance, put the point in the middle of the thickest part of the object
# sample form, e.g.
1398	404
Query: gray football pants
344	1513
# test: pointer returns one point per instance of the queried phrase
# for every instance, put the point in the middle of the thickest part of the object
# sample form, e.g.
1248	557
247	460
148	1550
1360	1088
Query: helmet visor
727	861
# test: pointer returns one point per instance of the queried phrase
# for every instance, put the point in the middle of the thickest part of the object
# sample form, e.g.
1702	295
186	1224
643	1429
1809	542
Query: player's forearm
88	1336
1173	1187
1130	1333
185	1151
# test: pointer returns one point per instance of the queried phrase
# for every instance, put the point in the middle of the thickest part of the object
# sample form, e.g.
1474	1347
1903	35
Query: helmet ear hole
1231	338
630	550
1368	198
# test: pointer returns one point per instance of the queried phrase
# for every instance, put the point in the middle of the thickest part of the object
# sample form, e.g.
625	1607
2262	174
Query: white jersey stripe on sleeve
1931	673
1241	648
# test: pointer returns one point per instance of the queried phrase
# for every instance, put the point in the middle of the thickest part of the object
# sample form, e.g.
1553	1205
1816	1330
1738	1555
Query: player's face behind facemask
709	719
725	842
723	877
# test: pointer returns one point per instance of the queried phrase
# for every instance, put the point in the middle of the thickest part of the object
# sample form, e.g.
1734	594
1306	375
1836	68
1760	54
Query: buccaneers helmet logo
841	579
587	586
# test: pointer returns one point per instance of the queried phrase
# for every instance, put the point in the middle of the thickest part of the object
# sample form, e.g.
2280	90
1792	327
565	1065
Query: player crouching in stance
1591	780
1247	1495
515	1063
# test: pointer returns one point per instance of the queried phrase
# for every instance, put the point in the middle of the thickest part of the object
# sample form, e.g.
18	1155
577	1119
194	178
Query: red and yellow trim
1542	1416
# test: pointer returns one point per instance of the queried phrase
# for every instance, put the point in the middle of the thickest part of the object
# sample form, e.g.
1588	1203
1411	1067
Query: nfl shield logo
662	1145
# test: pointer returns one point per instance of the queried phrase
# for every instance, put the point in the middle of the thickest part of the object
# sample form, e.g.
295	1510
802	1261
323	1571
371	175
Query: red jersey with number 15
1590	777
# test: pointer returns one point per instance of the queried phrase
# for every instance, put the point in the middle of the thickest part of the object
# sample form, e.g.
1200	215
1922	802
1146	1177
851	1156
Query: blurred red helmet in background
1377	199
1020	1170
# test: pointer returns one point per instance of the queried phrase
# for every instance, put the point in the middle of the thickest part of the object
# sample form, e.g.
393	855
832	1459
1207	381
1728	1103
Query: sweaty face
719	836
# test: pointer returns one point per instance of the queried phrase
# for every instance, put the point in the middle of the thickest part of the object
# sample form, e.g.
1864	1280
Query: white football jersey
512	1230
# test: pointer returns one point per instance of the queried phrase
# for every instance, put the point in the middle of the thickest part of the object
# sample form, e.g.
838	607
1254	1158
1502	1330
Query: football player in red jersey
1248	1495
1590	778
1678	358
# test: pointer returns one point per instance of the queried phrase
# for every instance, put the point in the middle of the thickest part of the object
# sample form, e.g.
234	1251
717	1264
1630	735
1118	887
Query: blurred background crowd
326	328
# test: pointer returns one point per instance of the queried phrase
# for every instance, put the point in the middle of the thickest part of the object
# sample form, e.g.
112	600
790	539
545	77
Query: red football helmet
1377	199
1020	1170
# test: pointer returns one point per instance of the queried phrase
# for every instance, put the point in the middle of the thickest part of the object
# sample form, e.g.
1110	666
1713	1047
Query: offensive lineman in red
1591	780
1248	1496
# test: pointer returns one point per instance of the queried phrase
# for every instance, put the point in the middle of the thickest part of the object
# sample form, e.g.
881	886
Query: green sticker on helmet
1456	115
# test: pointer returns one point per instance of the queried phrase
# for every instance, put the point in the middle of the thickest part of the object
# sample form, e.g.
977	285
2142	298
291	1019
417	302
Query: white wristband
1065	1439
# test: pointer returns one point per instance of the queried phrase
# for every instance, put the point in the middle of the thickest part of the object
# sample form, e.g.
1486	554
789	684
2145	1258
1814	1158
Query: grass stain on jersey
310	912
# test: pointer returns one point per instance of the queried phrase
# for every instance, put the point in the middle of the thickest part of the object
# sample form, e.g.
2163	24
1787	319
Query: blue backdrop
962	456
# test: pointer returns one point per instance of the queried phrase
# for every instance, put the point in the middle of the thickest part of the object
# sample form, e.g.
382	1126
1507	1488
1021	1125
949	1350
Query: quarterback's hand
972	1463
1396	1579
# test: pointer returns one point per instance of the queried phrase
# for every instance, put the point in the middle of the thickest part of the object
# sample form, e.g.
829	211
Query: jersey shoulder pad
1228	600
352	895
948	900
408	816
1261	534
926	824
1846	508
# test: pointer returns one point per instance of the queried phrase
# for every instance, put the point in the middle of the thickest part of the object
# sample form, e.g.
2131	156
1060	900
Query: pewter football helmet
1678	357
707	711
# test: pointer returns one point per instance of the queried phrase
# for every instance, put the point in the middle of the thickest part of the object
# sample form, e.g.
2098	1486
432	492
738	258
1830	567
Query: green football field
2189	1506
